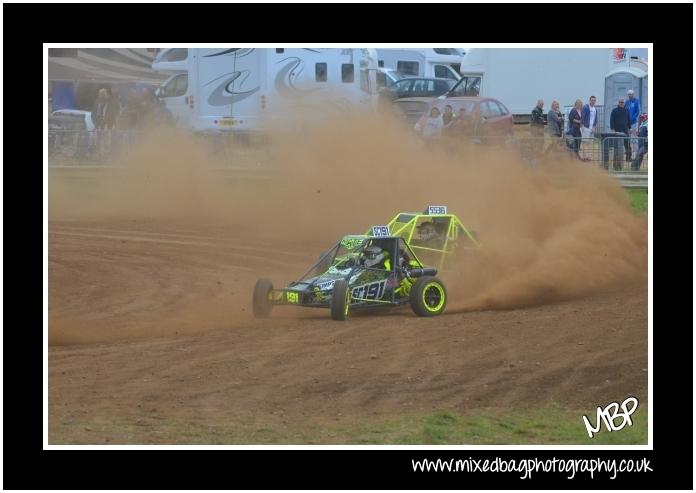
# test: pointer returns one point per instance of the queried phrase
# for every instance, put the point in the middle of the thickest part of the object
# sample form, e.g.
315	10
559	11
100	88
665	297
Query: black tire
340	300
260	304
428	297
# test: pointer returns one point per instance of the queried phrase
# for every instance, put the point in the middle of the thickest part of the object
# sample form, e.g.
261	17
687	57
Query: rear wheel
340	300
428	296
261	304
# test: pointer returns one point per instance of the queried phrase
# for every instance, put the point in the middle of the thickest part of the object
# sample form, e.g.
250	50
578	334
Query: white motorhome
245	89
520	76
387	76
171	61
423	62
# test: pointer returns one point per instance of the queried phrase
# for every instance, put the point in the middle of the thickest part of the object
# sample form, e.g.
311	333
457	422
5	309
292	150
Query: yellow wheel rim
433	297
345	312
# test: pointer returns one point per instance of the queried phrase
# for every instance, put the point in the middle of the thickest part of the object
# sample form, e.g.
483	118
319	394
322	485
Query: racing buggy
360	272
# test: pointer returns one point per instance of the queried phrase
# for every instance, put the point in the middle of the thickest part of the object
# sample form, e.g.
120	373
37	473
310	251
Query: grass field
551	425
639	200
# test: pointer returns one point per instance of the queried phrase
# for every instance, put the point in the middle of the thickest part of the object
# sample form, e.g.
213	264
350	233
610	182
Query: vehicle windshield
468	85
393	74
343	255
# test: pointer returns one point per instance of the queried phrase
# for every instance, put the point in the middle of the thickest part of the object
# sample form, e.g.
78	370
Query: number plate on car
437	209
380	231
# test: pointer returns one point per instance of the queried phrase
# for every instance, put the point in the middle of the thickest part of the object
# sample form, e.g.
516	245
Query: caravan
245	89
425	62
171	61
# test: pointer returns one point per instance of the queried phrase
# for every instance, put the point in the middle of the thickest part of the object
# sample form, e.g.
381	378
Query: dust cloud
555	231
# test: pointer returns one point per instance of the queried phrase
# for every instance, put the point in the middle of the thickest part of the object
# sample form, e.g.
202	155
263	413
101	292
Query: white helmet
373	255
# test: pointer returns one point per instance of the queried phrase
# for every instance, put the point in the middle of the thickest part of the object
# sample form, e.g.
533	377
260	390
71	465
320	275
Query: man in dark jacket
536	127
619	121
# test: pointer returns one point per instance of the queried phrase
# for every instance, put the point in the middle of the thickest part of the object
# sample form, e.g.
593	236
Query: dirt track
150	322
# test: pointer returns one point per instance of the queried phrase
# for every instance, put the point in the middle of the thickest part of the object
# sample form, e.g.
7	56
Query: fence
624	156
618	152
83	146
106	147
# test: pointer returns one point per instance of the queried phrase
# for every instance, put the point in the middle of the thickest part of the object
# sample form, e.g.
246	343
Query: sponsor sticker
323	286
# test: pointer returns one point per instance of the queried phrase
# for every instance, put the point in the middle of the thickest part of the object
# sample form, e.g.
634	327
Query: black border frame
27	26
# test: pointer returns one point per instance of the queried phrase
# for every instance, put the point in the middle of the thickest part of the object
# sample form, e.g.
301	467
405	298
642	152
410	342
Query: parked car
71	132
412	108
484	117
417	87
68	119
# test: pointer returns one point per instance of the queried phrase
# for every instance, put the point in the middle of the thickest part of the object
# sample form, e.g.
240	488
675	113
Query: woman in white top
432	126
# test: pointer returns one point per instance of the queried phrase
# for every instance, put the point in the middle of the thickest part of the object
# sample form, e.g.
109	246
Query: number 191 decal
372	291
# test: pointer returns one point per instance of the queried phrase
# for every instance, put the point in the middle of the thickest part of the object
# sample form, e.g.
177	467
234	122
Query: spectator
447	116
536	127
112	110
555	118
131	110
430	127
643	144
619	122
99	109
460	126
147	106
633	108
99	119
589	126
574	126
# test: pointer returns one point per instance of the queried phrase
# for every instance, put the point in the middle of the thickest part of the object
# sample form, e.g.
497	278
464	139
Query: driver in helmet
375	257
430	235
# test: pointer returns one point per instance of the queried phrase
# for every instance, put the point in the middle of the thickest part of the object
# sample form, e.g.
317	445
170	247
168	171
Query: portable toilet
630	74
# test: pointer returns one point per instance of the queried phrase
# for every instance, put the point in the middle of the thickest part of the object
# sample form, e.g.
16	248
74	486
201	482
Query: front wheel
428	296
340	300
261	304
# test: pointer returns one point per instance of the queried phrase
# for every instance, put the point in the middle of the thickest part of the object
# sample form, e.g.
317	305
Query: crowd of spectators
627	125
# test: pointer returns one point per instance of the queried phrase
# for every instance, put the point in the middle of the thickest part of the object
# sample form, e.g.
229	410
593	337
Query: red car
483	117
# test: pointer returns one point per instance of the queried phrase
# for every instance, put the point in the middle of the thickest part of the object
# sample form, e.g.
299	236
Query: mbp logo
609	415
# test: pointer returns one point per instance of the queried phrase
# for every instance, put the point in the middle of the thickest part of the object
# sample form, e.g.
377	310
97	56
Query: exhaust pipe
428	271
